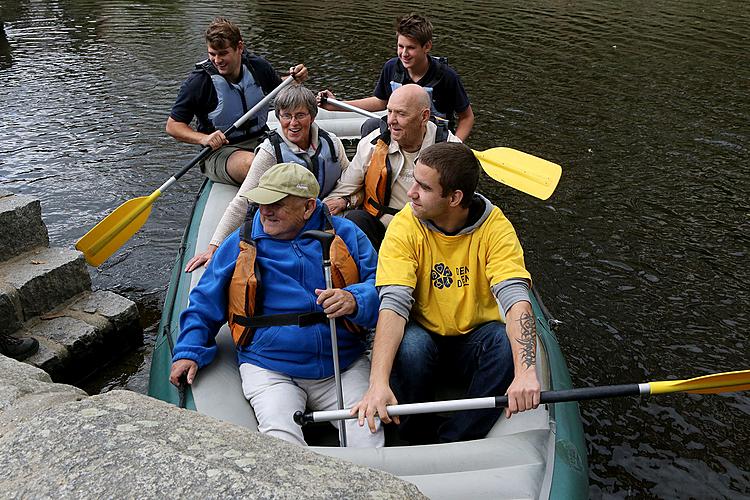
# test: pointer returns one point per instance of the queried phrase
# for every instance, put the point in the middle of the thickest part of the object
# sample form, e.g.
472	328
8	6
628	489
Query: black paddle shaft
200	156
580	394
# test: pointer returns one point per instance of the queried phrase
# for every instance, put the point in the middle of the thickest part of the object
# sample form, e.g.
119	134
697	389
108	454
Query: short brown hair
222	33
457	167
415	26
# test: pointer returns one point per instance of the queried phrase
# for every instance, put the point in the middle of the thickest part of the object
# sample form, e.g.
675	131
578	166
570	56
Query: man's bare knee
238	165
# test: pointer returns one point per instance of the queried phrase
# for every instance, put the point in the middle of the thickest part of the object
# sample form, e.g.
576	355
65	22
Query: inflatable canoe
536	454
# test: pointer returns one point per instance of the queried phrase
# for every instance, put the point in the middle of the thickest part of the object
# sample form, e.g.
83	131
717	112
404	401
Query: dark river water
642	252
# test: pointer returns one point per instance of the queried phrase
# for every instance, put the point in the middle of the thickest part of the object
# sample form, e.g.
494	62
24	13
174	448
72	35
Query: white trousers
275	398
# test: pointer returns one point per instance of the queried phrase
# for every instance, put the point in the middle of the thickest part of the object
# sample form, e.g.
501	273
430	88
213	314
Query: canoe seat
513	464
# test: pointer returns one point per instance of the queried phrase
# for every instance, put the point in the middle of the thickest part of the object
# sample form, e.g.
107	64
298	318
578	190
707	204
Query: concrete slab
45	278
26	391
21	225
118	310
81	336
52	357
78	337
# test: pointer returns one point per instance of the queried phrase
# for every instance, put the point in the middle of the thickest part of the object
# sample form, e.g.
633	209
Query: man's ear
427	46
456	198
426	112
310	204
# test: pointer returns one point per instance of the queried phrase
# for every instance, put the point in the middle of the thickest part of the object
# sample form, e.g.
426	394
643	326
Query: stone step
80	336
37	281
11	313
21	225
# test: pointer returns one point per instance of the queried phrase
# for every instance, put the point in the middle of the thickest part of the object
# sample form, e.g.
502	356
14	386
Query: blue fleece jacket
290	271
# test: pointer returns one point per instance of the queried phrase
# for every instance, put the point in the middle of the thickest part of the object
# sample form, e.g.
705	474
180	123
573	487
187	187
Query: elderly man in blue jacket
267	281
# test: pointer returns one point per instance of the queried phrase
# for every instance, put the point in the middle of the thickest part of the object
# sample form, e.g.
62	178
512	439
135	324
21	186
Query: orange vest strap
378	180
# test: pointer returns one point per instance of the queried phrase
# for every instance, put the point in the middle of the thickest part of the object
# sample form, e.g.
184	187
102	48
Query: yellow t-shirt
451	275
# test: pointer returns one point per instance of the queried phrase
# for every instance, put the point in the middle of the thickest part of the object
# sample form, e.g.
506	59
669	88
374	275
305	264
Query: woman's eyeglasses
297	116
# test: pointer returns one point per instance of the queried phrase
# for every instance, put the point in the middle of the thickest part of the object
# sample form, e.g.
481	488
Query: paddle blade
521	171
110	234
708	384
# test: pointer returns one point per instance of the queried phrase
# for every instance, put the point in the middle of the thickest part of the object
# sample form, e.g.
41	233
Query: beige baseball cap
282	180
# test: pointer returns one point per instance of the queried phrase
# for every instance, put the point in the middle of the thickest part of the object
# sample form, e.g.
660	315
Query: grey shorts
215	165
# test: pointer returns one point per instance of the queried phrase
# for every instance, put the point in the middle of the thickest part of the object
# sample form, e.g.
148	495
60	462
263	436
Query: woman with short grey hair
298	140
296	96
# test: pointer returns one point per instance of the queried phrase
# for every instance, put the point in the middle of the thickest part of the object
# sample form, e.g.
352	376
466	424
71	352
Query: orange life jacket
379	175
246	281
378	181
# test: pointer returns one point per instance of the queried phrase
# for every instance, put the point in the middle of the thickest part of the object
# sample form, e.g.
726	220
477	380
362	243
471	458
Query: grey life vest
234	100
324	164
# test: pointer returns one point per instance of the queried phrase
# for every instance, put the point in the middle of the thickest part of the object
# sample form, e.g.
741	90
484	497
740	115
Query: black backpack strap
206	66
441	134
328	219
399	72
388	184
383	209
440	64
385	134
246	229
275	139
384	128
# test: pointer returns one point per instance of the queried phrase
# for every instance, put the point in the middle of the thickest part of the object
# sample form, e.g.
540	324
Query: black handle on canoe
324	238
302	418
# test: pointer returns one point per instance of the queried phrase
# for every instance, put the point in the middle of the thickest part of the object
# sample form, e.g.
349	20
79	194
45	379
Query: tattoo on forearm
528	340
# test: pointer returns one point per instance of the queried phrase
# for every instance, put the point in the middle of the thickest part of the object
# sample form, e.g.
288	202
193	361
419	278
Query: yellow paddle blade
110	234
708	384
521	171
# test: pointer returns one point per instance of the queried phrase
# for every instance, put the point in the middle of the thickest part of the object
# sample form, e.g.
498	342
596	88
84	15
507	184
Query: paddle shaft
706	384
581	394
363	112
349	107
326	239
336	367
516	169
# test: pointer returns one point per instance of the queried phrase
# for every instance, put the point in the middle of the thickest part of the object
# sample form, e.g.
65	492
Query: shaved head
412	96
408	114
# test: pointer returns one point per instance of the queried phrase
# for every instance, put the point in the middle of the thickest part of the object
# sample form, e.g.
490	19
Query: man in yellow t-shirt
448	260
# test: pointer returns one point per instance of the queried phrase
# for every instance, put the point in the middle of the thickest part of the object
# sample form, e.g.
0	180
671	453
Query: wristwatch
348	200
